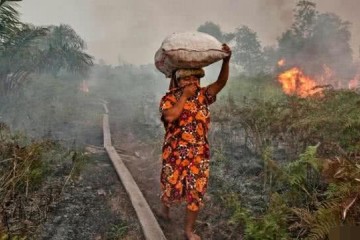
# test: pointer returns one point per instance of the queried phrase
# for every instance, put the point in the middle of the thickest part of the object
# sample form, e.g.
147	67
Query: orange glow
354	83
294	82
327	75
84	86
281	62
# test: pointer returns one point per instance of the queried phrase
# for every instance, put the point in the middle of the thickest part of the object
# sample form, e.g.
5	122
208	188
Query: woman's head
188	76
181	82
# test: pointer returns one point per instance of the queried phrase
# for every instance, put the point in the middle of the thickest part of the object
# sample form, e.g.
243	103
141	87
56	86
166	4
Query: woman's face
188	80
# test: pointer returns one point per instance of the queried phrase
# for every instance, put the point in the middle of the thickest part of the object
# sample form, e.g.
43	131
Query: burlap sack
188	50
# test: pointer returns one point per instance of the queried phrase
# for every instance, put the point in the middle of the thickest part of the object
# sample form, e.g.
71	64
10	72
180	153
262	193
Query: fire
354	83
281	62
327	75
84	86
294	81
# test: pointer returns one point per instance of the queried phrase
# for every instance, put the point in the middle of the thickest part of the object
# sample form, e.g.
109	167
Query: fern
316	188
270	226
326	218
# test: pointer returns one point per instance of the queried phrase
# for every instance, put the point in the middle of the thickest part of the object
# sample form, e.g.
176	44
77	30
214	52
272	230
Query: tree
215	31
63	49
305	17
211	29
19	56
318	41
9	20
331	39
25	49
271	57
247	51
4	1
294	40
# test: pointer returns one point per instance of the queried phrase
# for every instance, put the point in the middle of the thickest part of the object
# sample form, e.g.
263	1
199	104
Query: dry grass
32	177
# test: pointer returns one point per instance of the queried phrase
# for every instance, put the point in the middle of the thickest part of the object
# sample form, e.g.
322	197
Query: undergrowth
33	173
308	191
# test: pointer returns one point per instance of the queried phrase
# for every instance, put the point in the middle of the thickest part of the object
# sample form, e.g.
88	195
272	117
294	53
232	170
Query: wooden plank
148	222
106	131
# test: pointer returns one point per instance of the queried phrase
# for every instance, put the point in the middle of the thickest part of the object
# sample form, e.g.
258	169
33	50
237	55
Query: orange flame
281	62
354	83
327	75
295	82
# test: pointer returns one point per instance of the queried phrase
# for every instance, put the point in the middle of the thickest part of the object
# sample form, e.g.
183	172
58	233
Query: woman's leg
189	224
165	212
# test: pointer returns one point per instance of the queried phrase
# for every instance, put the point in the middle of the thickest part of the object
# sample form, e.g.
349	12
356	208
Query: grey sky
134	29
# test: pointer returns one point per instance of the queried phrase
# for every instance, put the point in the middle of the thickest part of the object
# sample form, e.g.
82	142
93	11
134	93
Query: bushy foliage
330	119
313	187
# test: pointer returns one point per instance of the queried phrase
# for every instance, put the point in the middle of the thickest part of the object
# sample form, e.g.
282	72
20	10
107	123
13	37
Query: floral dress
185	151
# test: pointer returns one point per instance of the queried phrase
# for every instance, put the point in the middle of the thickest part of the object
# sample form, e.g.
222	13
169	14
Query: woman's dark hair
173	81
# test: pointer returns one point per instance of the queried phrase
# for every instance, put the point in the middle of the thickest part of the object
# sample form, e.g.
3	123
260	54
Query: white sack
188	50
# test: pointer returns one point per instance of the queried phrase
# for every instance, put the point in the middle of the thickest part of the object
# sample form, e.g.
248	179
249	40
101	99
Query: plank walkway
148	222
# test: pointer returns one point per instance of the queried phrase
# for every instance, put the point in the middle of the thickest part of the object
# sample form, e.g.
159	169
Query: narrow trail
150	226
146	172
144	163
141	156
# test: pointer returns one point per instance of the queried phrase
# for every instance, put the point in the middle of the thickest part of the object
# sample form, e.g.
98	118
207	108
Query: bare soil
95	206
144	162
145	169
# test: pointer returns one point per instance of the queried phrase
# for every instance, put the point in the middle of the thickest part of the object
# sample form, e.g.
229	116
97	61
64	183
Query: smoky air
79	85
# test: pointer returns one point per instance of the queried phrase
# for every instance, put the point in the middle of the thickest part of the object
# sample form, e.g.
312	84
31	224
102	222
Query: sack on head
188	50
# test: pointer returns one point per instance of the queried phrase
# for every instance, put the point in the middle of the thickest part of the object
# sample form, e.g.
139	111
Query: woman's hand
226	49
216	87
173	113
190	90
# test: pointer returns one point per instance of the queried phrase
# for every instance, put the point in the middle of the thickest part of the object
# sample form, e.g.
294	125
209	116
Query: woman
186	117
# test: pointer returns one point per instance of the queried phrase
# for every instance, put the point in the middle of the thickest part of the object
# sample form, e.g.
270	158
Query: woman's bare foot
192	236
190	219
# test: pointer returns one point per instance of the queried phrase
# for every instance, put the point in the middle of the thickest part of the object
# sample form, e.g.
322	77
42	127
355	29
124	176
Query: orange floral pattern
185	158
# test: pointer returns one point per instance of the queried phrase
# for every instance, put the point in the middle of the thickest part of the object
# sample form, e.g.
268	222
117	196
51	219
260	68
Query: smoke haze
132	30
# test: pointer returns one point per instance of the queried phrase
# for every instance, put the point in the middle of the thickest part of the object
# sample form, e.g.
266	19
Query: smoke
274	17
278	10
348	11
134	29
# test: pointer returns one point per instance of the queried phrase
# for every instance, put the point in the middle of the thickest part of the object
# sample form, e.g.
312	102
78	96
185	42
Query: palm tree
25	49
3	1
9	20
64	49
16	47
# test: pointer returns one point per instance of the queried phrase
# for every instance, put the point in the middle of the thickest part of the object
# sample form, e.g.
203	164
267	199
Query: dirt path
144	162
145	169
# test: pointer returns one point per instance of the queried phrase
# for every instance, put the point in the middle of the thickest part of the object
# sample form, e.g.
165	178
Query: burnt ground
144	162
145	168
94	206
